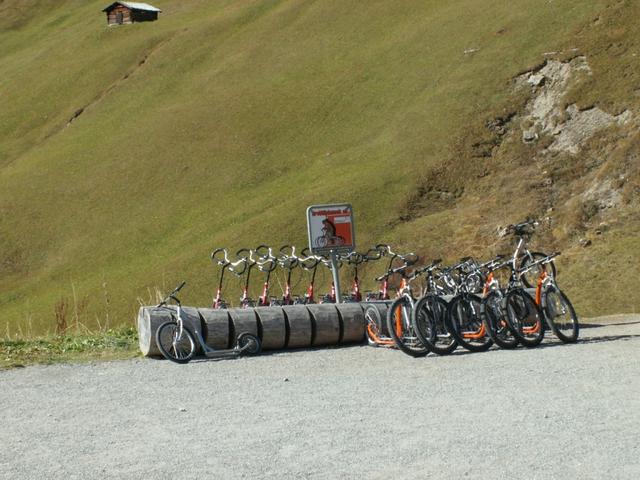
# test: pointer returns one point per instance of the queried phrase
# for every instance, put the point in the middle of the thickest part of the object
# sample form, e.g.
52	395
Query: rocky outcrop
546	114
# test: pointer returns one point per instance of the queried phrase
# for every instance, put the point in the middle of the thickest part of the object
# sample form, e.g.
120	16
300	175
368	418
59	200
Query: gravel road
557	411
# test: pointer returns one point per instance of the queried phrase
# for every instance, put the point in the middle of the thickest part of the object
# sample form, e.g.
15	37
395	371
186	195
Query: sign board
330	227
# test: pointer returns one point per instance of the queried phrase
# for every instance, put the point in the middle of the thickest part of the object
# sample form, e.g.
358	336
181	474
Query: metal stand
336	275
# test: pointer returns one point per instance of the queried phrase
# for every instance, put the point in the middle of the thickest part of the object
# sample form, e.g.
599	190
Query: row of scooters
265	260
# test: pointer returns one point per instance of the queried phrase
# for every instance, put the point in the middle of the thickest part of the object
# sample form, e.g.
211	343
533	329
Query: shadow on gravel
600	339
270	353
600	325
550	342
607	338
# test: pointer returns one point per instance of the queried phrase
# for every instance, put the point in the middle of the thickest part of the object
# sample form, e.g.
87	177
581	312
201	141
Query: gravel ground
558	411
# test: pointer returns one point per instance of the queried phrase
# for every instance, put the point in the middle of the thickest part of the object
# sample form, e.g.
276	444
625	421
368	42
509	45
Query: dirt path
558	411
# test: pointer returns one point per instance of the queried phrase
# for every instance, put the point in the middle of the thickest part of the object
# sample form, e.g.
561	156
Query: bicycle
463	315
266	263
399	322
178	344
223	261
523	315
429	315
556	307
331	296
491	308
329	239
309	263
355	259
245	256
522	256
381	250
288	261
376	329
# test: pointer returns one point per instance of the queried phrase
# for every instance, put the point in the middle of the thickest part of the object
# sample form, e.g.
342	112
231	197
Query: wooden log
327	324
150	318
216	327
299	326
271	327
242	320
352	321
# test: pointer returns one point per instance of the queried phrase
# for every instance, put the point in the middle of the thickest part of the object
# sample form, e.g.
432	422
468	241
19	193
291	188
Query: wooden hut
120	13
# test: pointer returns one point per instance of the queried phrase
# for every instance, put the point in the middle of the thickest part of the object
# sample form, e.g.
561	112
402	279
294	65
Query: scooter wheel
249	344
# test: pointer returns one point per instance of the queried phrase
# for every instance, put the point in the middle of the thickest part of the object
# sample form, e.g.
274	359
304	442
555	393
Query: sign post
331	232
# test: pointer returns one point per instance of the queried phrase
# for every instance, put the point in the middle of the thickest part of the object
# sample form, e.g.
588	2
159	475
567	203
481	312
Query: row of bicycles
507	300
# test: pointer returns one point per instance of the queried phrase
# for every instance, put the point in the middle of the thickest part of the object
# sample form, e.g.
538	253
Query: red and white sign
330	227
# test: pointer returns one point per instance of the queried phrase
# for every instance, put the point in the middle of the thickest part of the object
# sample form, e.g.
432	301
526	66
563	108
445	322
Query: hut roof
134	6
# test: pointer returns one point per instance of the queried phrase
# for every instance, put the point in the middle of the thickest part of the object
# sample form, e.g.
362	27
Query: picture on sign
330	227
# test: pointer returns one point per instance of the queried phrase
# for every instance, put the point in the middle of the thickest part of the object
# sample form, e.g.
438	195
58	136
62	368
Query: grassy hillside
128	153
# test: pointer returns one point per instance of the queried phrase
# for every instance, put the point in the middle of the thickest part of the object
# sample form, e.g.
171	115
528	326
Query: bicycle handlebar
373	254
354	258
308	261
383	248
291	248
268	254
245	254
288	260
327	262
268	265
220	261
519	228
408	258
233	266
177	289
391	271
172	294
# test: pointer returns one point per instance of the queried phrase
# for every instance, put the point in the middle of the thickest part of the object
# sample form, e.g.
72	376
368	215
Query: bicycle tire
401	330
530	278
555	303
429	320
524	317
178	350
497	326
373	325
249	344
465	323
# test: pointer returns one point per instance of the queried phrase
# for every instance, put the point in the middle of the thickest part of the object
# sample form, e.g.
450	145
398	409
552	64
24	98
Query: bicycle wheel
401	330
429	320
373	326
179	347
524	317
530	278
465	323
560	315
249	344
495	321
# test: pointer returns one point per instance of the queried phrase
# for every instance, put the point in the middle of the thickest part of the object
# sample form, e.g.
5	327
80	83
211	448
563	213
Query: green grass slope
128	153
